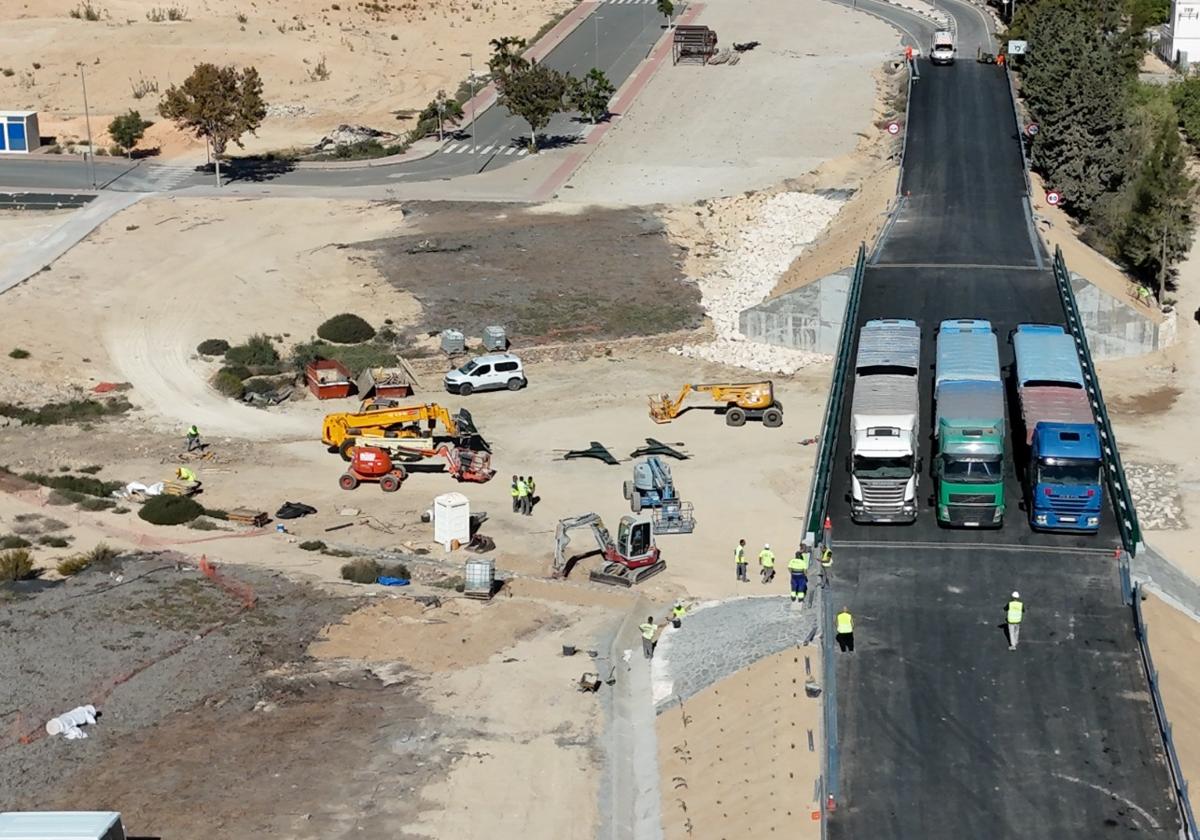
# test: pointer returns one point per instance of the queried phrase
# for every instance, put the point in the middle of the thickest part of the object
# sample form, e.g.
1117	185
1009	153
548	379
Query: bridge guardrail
1187	816
818	505
1114	471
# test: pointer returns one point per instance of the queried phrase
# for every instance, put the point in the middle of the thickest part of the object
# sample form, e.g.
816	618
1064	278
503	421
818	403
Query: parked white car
487	373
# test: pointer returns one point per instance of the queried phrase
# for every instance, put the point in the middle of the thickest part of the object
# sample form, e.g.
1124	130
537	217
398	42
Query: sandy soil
17	227
1174	639
381	57
734	760
696	132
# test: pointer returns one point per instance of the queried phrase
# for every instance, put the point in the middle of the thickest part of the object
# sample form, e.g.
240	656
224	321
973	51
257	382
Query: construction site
616	493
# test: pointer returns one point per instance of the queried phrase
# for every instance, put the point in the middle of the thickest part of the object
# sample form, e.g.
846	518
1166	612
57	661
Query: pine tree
1161	221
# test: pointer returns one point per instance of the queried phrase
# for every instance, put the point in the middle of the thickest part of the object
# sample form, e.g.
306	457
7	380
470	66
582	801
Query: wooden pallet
246	516
180	488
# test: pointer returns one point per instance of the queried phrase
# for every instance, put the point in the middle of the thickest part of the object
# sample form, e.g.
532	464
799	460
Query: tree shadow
252	169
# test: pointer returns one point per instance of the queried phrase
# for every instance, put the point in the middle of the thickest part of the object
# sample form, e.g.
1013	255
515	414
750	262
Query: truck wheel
465	389
735	417
772	418
515	384
635	503
627	490
348	481
389	483
344	450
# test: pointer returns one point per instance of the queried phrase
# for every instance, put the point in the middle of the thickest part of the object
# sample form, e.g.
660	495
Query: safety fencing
818	505
1187	816
1114	471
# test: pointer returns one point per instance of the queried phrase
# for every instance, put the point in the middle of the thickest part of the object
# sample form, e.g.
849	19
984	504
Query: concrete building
18	132
1180	41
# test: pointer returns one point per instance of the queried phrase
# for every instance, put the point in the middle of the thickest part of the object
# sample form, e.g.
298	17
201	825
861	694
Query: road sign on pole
1053	197
1017	47
893	128
1032	129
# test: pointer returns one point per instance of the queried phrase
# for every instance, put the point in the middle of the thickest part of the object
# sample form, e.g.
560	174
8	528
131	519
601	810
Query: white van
487	373
61	825
943	49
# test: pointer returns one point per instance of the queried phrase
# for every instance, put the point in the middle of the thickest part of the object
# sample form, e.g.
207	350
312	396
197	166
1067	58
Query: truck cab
1065	477
942	49
969	467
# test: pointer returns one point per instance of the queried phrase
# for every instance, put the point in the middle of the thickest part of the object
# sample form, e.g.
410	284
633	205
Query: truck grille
979	515
1068	505
883	495
972	499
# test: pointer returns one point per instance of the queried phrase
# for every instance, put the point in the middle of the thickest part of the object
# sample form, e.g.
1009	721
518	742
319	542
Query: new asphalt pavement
943	731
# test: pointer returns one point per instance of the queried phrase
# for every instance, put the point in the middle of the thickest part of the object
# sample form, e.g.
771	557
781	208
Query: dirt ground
724	774
698	132
470	266
380	58
1174	639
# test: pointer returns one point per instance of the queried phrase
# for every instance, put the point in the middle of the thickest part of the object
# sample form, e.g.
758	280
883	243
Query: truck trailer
884	464
969	426
1063	476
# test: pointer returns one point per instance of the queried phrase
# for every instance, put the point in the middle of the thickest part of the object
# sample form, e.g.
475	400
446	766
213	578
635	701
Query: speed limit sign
1053	198
1032	129
893	128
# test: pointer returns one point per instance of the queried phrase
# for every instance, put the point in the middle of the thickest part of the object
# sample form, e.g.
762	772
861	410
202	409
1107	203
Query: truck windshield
1067	471
883	467
972	471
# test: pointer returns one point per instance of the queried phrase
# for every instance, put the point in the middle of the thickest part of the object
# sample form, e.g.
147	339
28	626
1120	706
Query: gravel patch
719	639
1155	489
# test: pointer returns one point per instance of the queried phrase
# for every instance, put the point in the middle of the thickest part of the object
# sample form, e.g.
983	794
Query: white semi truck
942	50
885	416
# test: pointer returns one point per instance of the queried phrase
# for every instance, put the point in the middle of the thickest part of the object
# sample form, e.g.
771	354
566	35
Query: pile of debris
747	262
348	135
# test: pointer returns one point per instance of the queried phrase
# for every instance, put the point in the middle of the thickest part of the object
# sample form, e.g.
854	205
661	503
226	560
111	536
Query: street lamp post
87	117
471	80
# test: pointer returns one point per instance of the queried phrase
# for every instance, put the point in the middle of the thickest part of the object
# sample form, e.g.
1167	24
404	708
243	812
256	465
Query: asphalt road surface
943	732
615	38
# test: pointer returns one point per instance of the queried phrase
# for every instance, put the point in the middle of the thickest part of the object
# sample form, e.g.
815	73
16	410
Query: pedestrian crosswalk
484	149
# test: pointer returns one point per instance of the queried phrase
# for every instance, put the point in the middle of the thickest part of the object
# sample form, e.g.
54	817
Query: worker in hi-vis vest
845	631
649	628
515	490
766	560
740	563
1014	612
798	568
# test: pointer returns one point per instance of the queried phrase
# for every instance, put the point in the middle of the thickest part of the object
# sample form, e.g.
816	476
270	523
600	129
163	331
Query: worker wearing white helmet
766	561
1014	612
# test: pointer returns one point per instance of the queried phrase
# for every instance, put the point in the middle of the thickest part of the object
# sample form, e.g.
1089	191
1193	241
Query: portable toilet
19	132
451	520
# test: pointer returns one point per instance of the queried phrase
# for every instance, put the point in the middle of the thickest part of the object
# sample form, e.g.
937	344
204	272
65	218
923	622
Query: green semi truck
969	428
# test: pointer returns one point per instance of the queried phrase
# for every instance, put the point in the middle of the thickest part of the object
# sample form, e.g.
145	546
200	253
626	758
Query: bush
346	329
362	570
74	411
203	525
91	470
396	570
356	357
13	541
78	485
259	386
96	503
312	545
64	497
16	565
52	541
258	350
455	582
227	384
240	371
212	347
101	553
72	565
18	353
170	510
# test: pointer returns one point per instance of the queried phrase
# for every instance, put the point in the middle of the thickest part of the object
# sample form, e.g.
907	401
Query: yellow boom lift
408	427
738	401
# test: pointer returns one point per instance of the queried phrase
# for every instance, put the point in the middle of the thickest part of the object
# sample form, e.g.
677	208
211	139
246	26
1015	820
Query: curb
621	100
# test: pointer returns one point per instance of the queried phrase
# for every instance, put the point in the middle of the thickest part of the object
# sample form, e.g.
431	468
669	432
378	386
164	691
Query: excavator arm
562	537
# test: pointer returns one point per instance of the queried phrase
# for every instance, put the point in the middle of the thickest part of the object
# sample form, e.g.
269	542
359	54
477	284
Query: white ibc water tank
479	577
453	341
451	520
495	338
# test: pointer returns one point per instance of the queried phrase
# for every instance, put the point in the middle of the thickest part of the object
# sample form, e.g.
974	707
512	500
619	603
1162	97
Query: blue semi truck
1063	468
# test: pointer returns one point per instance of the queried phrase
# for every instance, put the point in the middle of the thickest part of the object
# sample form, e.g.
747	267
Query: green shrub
337	552
102	553
259	386
203	525
18	353
120	509
356	357
312	545
212	347
96	503
51	541
170	510
362	570
227	384
258	350
16	565
81	485
13	541
92	470
53	525
240	371
346	329
72	565
455	582
75	411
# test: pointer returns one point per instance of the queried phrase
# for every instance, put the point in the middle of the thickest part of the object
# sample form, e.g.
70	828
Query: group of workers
522	490
650	628
797	566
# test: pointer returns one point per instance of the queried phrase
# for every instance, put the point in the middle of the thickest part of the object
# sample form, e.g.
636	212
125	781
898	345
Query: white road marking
522	153
448	149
